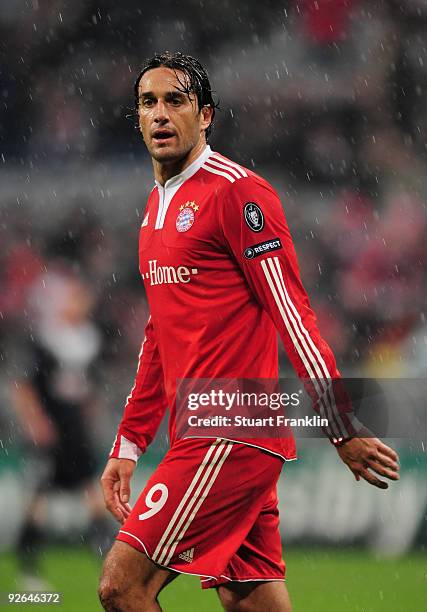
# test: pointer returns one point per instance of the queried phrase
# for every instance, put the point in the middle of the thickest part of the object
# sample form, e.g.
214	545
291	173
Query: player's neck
165	171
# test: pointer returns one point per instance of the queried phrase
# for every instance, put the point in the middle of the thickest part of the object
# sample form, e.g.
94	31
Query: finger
387	461
379	468
372	479
127	507
108	489
117	490
124	488
118	515
124	508
115	510
108	492
389	452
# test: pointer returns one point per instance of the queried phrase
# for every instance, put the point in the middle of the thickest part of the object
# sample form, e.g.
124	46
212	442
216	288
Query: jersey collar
178	179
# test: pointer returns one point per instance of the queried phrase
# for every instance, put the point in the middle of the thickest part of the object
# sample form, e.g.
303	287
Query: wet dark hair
197	81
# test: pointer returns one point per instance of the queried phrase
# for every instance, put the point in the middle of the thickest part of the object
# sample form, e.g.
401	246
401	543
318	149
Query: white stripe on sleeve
295	335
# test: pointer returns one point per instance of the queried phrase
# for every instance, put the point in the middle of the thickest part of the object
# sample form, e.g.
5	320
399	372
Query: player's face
169	120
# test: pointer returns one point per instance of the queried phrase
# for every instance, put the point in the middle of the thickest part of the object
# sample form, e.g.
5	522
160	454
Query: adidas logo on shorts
187	555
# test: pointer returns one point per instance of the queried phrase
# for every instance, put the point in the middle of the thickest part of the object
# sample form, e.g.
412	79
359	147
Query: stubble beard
168	155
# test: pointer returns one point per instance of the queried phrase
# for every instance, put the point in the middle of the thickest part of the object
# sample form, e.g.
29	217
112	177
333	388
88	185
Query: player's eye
148	102
176	101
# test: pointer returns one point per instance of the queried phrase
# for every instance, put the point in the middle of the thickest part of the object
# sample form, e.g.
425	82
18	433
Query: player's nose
161	112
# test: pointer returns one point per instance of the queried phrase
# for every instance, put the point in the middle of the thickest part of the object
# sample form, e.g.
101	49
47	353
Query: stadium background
328	101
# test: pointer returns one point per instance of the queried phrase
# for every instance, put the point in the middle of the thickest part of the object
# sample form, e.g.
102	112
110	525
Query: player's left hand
362	455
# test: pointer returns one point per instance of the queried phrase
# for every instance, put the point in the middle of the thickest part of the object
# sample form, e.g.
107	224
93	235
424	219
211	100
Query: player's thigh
126	568
254	596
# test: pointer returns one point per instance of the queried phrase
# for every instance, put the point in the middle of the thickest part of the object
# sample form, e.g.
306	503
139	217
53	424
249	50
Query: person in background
54	399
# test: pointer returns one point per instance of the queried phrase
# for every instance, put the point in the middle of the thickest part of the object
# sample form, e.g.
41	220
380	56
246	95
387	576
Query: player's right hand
115	483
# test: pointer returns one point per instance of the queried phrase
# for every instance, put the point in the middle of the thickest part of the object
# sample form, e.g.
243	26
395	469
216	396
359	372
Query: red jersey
221	276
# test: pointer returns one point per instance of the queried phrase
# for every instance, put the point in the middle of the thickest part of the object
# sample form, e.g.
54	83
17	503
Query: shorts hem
252	579
222	579
126	536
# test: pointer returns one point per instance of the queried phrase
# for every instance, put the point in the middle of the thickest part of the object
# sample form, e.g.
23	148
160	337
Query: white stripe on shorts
198	489
200	501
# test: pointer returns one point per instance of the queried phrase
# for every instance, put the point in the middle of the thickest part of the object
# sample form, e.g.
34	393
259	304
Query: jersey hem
267	450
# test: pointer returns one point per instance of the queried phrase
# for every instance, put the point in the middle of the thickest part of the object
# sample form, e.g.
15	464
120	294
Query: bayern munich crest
186	216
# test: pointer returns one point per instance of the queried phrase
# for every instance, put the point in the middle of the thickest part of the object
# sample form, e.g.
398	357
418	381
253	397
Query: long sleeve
256	233
145	405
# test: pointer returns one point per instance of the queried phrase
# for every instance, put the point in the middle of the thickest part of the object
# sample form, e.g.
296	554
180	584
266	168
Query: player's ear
207	116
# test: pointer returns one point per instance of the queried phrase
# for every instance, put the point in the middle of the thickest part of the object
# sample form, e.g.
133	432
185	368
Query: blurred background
327	99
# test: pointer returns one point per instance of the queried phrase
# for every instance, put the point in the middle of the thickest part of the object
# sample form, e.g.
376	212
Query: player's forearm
137	429
146	403
143	413
314	362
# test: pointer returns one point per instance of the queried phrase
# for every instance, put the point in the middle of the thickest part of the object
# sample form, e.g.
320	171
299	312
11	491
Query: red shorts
210	509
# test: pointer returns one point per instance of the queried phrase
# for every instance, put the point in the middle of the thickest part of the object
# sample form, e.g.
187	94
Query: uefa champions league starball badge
186	216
